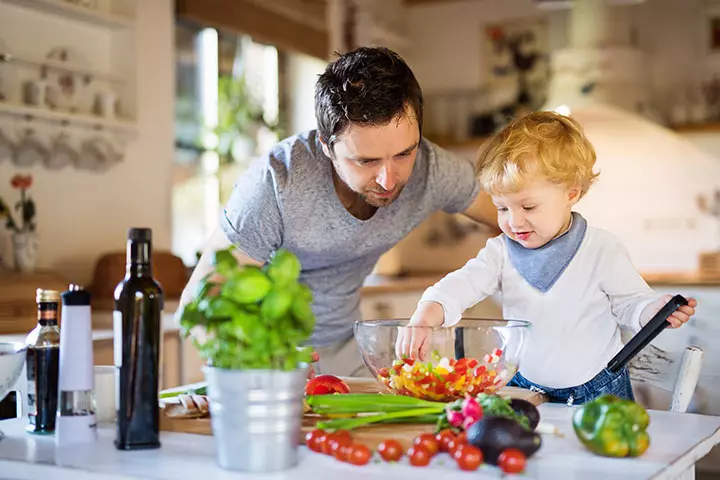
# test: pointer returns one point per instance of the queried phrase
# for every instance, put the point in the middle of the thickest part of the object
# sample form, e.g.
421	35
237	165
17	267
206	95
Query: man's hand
677	319
413	341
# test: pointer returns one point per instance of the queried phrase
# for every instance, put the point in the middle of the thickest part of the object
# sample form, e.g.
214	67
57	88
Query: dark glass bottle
137	331
42	362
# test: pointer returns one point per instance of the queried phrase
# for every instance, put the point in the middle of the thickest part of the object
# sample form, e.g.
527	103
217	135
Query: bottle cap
76	296
140	234
46	296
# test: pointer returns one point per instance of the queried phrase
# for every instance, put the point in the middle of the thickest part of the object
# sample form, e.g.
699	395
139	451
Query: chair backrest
168	269
687	379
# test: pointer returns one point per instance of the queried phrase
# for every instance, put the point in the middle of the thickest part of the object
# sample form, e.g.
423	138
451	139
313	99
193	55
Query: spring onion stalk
351	423
367	403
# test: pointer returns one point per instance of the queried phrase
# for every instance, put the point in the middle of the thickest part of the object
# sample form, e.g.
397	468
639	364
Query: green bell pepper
612	427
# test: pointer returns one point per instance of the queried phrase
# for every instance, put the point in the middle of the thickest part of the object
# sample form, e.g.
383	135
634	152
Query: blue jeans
617	384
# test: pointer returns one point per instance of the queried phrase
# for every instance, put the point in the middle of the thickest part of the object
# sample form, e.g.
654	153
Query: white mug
104	394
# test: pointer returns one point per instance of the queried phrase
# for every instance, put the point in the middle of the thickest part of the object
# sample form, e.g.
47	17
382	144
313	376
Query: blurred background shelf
76	12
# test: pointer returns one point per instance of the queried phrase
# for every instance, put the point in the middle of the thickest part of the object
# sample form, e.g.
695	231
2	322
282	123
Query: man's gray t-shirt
287	199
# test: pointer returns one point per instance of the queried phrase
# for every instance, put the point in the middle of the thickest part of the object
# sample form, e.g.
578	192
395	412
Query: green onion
351	423
366	403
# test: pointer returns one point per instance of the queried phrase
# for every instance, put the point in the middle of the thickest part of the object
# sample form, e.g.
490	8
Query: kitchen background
142	113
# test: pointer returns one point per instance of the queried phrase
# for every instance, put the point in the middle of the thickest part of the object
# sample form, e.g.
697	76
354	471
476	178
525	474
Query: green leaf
249	285
224	262
284	267
220	308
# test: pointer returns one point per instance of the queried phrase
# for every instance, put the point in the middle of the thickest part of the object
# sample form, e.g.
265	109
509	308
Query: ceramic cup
62	153
104	393
30	150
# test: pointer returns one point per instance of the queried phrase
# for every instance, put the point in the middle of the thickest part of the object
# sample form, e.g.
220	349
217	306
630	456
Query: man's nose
386	177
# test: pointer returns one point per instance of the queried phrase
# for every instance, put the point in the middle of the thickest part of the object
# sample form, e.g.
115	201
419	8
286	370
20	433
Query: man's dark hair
368	86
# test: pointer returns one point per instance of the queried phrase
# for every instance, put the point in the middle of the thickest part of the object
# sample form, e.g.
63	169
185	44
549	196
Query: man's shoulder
290	158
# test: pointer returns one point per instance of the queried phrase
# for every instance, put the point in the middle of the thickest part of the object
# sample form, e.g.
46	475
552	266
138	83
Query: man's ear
325	148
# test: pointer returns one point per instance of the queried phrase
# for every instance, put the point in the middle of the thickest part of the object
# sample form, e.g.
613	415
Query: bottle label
117	352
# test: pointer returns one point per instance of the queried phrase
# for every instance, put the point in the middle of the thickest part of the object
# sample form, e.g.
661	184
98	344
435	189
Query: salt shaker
75	422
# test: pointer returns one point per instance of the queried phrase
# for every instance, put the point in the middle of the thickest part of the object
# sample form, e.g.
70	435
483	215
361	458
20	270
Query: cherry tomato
428	441
358	454
444	438
343	434
390	450
327	443
512	461
468	457
419	456
457	441
314	440
339	447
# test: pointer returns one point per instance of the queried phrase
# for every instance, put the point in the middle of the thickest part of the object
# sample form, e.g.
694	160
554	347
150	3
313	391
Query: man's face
376	161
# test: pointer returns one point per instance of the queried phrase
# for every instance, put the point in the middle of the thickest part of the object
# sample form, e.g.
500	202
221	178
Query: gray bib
541	267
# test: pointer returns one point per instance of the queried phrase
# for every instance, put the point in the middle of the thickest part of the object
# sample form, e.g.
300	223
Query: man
342	195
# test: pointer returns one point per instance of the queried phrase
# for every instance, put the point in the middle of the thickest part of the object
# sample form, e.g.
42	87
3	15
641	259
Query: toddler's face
537	213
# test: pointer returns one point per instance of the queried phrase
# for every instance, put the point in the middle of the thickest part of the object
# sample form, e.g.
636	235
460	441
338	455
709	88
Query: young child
576	284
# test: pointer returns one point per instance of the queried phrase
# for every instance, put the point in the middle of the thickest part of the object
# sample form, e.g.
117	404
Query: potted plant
24	236
250	323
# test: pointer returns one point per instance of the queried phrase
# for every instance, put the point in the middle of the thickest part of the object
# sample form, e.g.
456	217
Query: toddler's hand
413	341
679	316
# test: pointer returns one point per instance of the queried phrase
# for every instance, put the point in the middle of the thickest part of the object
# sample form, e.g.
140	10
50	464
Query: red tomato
512	461
457	442
358	454
314	440
390	450
419	456
468	457
428	441
325	384
444	438
327	441
338	446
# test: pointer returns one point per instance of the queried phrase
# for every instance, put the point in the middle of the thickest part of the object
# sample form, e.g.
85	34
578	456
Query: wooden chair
168	269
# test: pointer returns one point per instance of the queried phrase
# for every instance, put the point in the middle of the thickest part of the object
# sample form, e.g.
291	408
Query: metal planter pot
256	417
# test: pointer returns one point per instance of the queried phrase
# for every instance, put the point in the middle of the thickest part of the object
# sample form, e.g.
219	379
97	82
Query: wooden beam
413	3
262	24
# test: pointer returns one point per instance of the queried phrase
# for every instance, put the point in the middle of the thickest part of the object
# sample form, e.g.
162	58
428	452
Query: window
235	98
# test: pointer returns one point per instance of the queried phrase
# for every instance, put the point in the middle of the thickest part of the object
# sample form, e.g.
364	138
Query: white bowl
12	360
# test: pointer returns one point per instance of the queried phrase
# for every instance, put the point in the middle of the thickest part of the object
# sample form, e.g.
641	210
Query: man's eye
368	162
529	208
502	209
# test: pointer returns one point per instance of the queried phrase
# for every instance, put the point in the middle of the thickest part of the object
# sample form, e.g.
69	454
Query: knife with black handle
646	335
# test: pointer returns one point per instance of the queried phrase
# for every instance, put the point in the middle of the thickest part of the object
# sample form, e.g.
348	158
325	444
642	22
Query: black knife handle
646	335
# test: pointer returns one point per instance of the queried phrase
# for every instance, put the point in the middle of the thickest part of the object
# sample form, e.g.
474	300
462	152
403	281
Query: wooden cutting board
370	435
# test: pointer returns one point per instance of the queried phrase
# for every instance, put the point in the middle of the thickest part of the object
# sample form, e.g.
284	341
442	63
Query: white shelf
76	12
61	66
125	126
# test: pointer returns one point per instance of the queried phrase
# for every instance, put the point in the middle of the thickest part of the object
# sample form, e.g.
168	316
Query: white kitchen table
677	442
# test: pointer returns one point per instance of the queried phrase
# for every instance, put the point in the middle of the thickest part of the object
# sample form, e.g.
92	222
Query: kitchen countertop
678	440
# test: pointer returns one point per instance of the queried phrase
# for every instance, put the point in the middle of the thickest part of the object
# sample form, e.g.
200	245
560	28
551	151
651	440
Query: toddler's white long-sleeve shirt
575	325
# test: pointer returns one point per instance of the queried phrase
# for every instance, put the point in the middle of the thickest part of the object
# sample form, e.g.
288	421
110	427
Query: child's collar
542	267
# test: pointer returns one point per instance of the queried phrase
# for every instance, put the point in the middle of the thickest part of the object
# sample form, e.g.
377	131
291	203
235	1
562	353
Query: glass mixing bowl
472	357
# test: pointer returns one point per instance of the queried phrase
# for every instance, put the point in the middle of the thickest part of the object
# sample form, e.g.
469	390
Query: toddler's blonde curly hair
539	145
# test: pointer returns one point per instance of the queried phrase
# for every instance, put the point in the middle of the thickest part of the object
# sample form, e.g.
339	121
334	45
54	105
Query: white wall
445	41
81	214
303	71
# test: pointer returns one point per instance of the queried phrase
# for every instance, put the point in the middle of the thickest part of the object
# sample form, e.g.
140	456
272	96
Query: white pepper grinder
75	422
